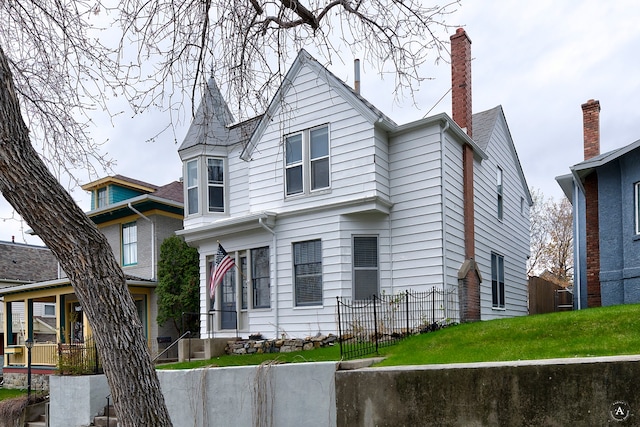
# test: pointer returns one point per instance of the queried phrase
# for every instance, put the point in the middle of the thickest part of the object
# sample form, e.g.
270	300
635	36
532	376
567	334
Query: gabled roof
347	93
581	170
484	124
584	168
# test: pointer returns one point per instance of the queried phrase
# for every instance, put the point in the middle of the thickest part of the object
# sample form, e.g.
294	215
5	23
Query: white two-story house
324	196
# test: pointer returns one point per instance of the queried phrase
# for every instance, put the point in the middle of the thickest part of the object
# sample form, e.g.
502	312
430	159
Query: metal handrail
170	346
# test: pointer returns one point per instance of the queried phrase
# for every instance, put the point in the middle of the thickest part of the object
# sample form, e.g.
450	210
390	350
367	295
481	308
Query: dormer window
215	177
307	161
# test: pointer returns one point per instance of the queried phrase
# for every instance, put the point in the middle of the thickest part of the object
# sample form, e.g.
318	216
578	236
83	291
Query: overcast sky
540	60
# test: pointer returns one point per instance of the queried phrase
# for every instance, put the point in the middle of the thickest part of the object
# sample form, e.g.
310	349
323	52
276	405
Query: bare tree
58	67
551	237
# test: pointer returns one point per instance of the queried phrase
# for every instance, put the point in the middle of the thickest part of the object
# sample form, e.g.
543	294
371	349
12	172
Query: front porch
50	317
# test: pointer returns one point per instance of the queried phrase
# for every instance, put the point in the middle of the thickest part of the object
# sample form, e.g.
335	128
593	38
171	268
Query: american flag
222	263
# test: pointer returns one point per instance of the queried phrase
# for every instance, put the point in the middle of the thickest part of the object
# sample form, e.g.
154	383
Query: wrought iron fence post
406	332
339	326
433	305
375	323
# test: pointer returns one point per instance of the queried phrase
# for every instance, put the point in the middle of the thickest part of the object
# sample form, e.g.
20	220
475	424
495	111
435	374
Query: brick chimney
461	80
591	130
461	109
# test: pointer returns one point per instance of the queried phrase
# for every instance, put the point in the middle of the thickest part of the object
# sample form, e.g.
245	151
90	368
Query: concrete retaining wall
561	392
279	395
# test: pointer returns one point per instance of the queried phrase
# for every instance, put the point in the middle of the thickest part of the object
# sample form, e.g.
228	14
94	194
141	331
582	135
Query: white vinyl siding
509	236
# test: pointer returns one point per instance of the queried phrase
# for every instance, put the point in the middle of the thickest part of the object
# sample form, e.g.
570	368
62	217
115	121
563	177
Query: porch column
29	318
8	321
60	317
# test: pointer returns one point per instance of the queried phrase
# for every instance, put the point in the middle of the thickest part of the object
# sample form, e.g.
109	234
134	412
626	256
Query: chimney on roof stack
461	80
591	128
356	78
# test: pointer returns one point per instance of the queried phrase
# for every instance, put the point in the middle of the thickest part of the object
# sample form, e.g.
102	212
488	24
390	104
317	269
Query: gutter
154	266
275	272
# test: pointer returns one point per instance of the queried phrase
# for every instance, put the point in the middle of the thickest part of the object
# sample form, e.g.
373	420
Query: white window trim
637	206
295	277
500	193
224	185
196	187
306	162
122	228
354	268
501	304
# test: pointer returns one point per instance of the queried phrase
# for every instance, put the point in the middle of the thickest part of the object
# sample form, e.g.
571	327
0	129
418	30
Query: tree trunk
87	259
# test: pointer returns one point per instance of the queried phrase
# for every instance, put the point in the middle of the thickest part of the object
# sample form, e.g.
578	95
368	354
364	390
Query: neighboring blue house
605	192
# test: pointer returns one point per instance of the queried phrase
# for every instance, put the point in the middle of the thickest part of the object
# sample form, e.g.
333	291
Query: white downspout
577	279
154	267
443	191
275	272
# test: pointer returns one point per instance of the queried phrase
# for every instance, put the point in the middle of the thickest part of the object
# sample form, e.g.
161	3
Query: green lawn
603	331
6	393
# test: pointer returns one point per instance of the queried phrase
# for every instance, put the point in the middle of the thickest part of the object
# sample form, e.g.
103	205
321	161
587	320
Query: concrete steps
109	418
41	421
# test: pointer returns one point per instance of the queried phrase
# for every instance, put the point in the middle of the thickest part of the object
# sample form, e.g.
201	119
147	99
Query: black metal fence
79	358
366	325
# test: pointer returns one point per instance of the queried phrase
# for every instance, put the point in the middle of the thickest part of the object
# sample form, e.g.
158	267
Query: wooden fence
547	297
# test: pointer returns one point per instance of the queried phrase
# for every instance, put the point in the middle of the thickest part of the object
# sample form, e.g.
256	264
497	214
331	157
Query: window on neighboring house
215	176
261	277
497	280
307	161
365	267
192	187
499	191
637	206
49	310
129	243
101	197
307	270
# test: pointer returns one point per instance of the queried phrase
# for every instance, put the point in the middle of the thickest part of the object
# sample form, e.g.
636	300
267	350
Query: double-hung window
129	243
307	268
260	277
307	161
192	187
497	280
365	267
499	192
637	206
101	197
215	183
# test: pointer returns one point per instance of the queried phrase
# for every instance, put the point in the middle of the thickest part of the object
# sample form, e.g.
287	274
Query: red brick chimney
591	130
461	80
461	108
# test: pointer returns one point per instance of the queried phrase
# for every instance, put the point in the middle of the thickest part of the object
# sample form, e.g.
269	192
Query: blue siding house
605	192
